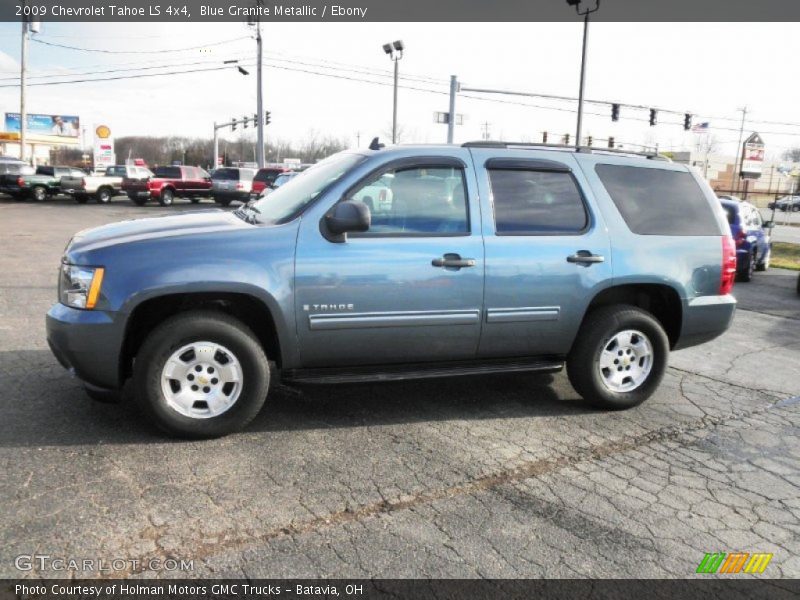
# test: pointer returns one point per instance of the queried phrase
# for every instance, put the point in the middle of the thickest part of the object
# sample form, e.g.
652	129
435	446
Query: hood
134	230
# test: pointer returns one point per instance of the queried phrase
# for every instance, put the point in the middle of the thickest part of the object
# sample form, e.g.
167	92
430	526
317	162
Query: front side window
168	172
416	201
530	202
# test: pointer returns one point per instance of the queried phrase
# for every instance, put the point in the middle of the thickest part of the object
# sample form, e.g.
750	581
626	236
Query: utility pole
358	139
260	94
585	14
23	115
451	120
738	148
215	159
485	128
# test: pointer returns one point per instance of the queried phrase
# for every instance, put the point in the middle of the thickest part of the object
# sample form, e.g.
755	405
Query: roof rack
652	155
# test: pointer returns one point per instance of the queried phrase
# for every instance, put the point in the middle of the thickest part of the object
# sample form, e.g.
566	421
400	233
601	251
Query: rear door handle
584	257
453	261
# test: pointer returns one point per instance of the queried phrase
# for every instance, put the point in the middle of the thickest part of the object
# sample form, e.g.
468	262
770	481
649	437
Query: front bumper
87	342
705	318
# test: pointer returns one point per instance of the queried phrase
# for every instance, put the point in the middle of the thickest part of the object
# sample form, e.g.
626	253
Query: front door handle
584	257
453	261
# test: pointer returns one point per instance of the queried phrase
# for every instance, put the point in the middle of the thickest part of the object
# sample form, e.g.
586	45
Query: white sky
707	69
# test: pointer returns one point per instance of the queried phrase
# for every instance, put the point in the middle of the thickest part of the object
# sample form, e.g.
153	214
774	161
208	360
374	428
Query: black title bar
182	11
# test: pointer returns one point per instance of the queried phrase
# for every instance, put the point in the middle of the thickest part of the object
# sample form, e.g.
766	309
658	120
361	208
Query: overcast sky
710	70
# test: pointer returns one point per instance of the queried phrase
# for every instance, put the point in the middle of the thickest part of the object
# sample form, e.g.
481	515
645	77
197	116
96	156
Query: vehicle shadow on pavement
44	406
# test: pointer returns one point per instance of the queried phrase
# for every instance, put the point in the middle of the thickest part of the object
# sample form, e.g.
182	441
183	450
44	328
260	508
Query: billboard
752	157
61	125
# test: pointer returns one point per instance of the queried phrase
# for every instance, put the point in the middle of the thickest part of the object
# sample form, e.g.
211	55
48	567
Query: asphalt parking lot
502	476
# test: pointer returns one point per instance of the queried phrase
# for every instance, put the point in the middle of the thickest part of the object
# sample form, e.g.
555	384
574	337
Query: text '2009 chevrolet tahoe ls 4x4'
489	258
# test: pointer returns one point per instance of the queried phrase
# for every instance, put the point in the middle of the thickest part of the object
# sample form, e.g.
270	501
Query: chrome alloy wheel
625	361
201	380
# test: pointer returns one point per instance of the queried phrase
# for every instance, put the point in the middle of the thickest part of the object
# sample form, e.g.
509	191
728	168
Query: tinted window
226	174
536	202
417	201
168	172
45	170
659	201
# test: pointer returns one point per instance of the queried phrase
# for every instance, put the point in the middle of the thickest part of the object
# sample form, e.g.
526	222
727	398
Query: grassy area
785	256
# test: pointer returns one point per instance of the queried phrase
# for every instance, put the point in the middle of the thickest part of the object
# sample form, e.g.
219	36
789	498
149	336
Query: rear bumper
705	318
87	343
141	193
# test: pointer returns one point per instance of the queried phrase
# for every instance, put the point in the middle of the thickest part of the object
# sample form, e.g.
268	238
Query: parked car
231	183
265	177
168	183
378	195
751	235
791	203
43	183
103	185
538	258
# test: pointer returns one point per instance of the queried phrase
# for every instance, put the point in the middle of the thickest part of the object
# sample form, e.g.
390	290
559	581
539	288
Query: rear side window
658	201
168	172
226	175
530	202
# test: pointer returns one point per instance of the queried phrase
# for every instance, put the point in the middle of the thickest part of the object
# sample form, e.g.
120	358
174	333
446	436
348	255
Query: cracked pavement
498	476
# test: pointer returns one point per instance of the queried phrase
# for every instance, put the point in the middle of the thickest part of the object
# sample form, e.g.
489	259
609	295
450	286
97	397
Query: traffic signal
544	137
245	121
615	112
653	117
233	124
255	119
610	142
266	117
687	122
589	140
565	139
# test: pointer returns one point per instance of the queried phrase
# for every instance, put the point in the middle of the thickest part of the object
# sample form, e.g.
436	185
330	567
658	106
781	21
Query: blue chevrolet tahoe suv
751	236
489	257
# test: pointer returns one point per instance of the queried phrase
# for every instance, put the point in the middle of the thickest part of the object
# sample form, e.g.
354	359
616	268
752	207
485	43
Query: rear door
547	250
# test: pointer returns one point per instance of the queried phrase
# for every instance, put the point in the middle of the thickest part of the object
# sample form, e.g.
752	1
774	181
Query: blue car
751	234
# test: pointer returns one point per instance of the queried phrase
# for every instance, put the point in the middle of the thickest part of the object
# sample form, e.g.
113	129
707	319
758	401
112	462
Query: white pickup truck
104	186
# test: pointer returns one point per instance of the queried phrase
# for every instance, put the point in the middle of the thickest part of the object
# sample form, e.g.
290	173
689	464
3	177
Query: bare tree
792	154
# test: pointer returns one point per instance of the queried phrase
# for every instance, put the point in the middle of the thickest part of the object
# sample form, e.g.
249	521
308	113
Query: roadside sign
444	118
752	157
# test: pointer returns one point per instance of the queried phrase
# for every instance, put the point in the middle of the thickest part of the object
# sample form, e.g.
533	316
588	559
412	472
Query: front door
408	290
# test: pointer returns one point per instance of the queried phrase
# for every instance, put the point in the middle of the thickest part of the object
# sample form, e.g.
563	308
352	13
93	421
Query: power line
162	51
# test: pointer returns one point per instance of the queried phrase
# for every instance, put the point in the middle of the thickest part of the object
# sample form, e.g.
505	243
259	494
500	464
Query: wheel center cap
202	380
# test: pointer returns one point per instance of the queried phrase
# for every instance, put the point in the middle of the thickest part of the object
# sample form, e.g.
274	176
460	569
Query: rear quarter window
659	201
168	172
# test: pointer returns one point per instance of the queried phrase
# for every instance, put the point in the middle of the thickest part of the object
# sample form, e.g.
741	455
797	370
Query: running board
382	373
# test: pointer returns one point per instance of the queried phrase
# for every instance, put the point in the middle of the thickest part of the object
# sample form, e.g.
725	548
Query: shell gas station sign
103	147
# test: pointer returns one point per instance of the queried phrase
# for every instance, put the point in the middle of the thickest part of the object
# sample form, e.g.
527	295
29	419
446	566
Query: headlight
79	287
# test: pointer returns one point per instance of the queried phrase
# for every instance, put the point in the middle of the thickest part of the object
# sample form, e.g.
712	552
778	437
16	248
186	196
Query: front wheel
619	357
764	264
103	196
201	374
166	198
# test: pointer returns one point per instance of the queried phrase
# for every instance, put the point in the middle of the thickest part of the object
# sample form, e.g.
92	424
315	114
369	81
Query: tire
39	193
763	265
138	200
184	334
166	198
596	339
81	199
746	274
222	200
798	285
103	195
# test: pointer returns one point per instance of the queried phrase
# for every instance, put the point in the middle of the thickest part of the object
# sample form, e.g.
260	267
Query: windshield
285	202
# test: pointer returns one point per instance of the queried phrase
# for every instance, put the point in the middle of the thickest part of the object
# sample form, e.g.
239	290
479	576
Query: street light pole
738	149
260	96
585	14
23	115
395	52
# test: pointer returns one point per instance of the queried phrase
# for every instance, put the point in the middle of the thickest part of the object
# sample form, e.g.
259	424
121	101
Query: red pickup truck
168	183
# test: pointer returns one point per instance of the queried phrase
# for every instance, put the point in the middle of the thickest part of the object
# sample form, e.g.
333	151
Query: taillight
728	266
20	182
740	238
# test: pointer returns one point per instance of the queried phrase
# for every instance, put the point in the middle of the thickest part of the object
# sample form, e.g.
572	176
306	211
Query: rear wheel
39	193
619	357
103	196
166	198
763	265
201	374
746	273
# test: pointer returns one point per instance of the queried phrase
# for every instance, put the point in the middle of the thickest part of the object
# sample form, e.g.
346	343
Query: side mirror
348	216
